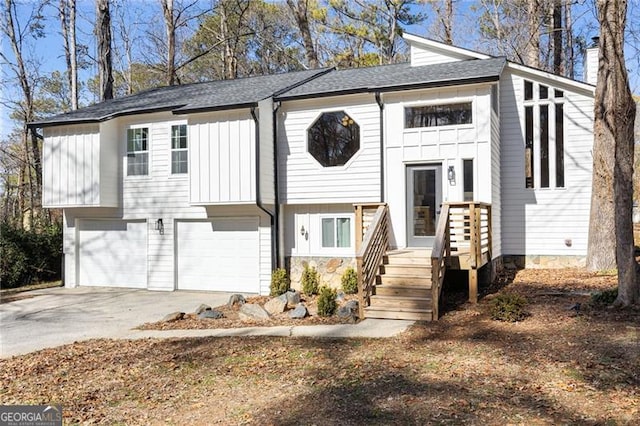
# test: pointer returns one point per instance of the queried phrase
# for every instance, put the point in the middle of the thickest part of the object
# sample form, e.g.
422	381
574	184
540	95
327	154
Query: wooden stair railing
370	255
440	254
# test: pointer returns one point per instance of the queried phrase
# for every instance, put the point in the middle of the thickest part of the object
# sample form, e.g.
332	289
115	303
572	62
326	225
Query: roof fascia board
579	86
44	123
198	110
458	51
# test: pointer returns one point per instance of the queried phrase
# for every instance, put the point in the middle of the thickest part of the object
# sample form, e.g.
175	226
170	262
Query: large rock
275	306
299	312
293	298
236	299
210	314
252	311
174	316
200	309
348	310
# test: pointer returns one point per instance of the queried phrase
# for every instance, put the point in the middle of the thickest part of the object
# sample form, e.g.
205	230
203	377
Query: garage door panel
218	255
112	253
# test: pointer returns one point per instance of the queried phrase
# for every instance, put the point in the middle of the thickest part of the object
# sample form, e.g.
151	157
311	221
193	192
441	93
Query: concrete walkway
58	316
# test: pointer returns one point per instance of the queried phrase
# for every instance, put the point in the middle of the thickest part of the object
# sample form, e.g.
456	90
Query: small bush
508	307
350	281
310	281
327	301
279	282
604	298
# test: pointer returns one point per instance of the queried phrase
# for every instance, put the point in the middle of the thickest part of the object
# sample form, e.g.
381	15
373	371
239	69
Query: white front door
424	198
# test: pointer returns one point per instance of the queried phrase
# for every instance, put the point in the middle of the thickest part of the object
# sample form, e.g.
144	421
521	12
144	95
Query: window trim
146	126
353	158
335	249
464	100
172	149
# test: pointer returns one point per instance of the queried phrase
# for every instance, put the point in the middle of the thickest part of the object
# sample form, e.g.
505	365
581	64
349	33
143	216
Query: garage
112	253
218	255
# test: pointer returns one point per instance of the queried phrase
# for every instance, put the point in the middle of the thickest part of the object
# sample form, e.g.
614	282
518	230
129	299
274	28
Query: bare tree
67	10
300	11
612	192
105	63
444	13
557	30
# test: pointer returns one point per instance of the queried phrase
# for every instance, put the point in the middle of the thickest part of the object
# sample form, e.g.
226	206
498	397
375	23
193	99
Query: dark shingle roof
398	77
221	94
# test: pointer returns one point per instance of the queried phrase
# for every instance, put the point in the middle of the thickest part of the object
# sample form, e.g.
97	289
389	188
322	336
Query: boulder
340	296
348	310
275	306
210	314
200	309
293	298
175	316
299	312
252	311
236	299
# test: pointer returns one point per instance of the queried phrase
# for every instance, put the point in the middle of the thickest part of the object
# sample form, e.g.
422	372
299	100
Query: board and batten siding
443	145
302	180
79	166
222	157
545	221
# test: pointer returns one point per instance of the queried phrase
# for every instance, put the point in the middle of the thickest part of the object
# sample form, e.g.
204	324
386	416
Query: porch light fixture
451	175
302	231
160	226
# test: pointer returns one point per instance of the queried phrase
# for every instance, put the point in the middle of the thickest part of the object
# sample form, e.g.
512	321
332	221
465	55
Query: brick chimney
591	62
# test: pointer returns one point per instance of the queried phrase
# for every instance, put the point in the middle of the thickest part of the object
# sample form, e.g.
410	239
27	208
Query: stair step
400	303
392	313
406	269
400	290
404	279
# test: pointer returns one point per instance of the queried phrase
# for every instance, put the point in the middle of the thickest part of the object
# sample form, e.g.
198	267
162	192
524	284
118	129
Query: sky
49	50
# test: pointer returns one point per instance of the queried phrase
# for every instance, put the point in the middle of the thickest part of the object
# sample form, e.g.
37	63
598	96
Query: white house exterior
210	186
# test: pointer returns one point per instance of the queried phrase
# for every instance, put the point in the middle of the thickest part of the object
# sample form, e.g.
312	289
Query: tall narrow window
559	146
467	175
179	150
528	146
544	146
138	151
528	90
544	92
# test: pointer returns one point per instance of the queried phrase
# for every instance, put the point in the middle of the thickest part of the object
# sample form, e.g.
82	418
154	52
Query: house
210	186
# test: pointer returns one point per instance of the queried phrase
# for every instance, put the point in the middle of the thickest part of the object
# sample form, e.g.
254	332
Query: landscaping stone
275	306
253	311
175	316
340	296
299	312
200	309
332	265
348	310
210	314
293	298
236	299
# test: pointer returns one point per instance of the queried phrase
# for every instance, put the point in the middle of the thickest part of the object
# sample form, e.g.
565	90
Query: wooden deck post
473	285
359	221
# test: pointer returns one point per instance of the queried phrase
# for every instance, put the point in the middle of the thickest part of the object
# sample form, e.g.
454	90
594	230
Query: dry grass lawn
555	367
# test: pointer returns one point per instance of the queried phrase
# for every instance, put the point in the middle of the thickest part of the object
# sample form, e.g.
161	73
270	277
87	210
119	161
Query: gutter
381	106
272	215
276	202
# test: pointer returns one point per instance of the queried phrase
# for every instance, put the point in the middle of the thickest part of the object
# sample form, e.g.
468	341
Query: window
333	139
544	149
138	151
336	232
179	151
467	180
437	115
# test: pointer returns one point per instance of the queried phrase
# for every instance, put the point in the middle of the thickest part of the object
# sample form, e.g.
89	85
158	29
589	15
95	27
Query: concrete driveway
58	316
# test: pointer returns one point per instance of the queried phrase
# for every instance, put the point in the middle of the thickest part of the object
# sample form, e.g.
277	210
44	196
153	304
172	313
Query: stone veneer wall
330	269
546	262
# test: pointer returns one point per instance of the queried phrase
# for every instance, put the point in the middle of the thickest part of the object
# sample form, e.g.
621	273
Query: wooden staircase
403	287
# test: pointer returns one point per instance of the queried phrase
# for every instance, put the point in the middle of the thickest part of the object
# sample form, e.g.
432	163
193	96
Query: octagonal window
333	138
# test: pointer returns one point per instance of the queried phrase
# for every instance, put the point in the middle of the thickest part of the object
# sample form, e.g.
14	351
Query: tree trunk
611	203
556	12
300	10
74	58
568	50
170	28
532	48
105	63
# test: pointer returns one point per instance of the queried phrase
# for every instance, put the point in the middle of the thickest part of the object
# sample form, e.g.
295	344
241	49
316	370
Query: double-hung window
336	232
179	150
138	151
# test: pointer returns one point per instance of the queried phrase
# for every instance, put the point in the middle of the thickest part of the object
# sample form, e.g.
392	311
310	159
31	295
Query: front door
424	197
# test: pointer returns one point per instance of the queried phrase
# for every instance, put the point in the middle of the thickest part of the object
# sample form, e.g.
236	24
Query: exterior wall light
160	226
302	231
451	175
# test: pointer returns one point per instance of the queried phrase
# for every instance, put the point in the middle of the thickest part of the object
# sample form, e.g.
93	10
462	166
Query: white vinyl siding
303	180
429	56
79	167
222	157
545	221
496	197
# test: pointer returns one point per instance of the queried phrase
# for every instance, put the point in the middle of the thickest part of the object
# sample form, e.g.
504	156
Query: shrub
350	281
279	282
508	307
604	298
310	281
29	256
327	301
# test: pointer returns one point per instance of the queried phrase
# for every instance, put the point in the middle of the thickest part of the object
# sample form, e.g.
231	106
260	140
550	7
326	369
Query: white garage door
112	253
219	255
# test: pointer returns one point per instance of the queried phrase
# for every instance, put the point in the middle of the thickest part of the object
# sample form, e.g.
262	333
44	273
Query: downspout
258	198
381	106
276	207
